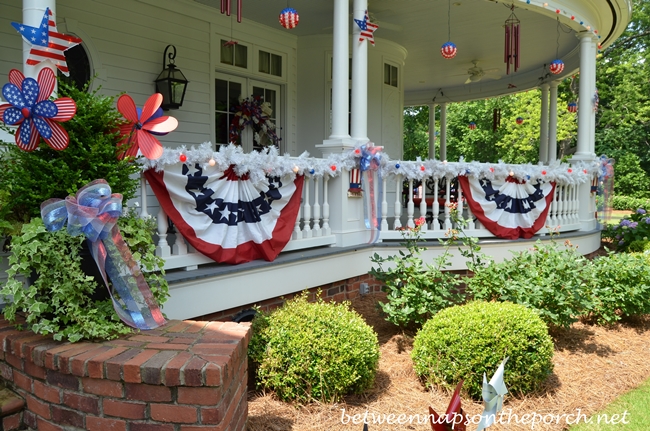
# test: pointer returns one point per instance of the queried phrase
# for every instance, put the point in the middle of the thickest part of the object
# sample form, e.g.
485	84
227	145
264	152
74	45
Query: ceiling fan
477	73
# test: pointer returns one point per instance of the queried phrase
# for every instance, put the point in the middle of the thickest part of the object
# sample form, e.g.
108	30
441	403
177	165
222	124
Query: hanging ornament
595	101
289	18
31	109
225	8
472	125
511	52
520	121
448	49
47	43
556	66
572	107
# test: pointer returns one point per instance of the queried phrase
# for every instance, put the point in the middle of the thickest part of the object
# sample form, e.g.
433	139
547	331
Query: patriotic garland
258	165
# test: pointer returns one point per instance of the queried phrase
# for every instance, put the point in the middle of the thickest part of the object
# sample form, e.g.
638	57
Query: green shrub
59	301
639	246
28	179
627	203
415	290
621	287
313	351
551	280
465	341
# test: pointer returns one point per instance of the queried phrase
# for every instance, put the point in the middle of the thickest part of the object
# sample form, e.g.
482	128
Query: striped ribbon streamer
93	212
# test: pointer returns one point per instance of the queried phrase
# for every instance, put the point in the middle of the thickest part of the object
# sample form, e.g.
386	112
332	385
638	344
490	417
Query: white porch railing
397	209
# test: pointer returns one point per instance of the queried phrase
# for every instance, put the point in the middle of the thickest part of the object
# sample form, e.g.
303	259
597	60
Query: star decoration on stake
47	43
138	133
367	29
493	394
29	107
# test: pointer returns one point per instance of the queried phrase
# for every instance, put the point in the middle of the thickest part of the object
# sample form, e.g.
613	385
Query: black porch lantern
171	82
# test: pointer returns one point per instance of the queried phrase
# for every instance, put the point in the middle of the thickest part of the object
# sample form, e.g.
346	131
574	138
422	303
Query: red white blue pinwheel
31	110
142	124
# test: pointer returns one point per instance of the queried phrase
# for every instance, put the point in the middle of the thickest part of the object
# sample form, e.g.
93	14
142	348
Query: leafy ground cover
593	365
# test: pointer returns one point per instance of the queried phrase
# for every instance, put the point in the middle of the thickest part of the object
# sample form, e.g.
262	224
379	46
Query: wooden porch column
432	131
587	90
586	124
443	131
552	125
543	127
33	11
340	73
359	126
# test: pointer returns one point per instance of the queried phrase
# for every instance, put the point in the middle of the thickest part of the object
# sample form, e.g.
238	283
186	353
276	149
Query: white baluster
576	204
398	203
162	248
551	220
447	203
316	228
470	217
459	207
423	204
326	208
410	207
384	206
180	245
561	202
297	233
306	213
435	208
144	213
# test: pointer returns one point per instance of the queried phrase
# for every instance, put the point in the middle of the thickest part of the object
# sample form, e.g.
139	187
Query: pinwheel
142	124
493	393
29	107
454	419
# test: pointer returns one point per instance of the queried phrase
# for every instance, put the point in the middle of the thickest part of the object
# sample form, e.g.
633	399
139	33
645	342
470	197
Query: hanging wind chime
519	121
572	107
225	8
448	49
496	119
472	125
557	65
511	52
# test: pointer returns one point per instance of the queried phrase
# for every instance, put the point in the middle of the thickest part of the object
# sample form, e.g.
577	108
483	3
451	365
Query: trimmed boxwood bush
465	341
313	351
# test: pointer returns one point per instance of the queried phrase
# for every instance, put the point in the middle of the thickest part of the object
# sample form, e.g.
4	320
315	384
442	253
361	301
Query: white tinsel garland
259	165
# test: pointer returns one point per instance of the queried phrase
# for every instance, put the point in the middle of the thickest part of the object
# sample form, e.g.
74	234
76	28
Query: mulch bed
593	366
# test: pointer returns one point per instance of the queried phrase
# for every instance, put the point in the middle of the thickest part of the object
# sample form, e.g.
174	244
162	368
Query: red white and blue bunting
509	209
226	216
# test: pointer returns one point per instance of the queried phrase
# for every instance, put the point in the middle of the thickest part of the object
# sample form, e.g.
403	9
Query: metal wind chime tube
225	8
511	52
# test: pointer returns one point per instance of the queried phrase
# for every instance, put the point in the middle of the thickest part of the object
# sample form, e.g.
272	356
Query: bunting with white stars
227	217
509	209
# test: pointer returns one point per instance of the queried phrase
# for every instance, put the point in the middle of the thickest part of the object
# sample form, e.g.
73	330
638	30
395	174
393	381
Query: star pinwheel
454	419
493	393
29	107
138	133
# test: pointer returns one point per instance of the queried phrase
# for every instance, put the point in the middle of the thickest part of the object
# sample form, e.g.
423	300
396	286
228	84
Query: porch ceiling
421	27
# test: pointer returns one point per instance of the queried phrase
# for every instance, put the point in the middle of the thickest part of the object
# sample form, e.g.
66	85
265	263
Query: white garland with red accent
268	162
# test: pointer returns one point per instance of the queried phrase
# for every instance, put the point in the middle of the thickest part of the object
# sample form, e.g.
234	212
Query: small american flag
367	29
47	43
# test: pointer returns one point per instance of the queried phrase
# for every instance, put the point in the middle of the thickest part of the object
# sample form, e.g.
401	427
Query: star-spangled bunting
47	43
367	29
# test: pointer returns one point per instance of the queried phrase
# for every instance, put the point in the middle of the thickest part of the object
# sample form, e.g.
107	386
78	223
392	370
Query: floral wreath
256	113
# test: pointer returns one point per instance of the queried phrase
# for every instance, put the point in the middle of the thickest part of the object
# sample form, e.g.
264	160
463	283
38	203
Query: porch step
11	410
